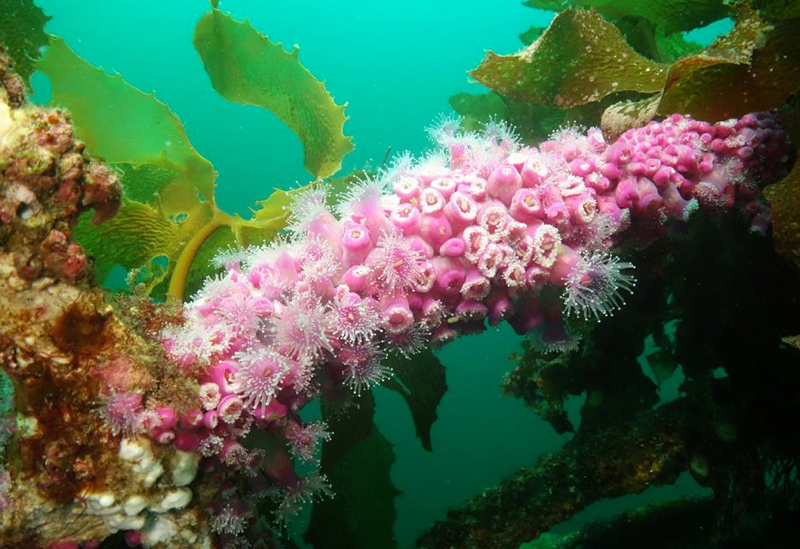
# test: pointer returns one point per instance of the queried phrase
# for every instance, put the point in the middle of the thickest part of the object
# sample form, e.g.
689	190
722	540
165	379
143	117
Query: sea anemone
595	284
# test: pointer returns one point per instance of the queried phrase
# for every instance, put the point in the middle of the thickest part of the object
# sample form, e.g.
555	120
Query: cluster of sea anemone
483	230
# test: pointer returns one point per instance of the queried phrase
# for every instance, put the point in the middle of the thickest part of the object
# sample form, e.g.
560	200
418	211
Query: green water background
395	64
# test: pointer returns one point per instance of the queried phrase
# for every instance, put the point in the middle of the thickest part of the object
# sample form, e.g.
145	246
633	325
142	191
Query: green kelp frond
579	59
755	67
672	15
22	33
246	67
168	217
169	186
357	462
582	59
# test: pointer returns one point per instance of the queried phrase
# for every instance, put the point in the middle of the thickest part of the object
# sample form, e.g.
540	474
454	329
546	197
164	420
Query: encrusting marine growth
482	230
432	249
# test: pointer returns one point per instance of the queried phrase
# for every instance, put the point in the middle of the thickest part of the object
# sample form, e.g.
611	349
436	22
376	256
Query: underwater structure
162	423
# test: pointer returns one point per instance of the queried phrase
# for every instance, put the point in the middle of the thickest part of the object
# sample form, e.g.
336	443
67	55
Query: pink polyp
396	315
450	274
557	212
597	142
598	182
649	198
494	218
523	247
546	242
651	165
564	265
211	419
453	247
164	436
209	394
357	278
490	260
677	206
581	167
167	417
418	244
471	310
262	306
431	200
356	239
230	408
504	181
270	412
745	153
618	153
427	278
457	153
326	228
445	185
231	452
500	307
533	172
133	538
626	192
607	206
582	208
187	441
611	170
286	268
407	188
717	145
461	209
525	205
191	419
477	187
476	239
222	375
405	216
435	229
476	286
442	335
432	310
662	176
514	275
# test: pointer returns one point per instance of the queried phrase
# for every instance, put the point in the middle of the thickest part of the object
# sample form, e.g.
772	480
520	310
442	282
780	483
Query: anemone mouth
596	286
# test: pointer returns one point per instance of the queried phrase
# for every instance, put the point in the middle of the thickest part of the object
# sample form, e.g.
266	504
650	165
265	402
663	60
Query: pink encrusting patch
485	230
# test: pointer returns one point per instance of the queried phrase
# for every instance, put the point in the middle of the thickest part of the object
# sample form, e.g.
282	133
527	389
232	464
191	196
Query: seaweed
22	33
245	67
634	66
168	214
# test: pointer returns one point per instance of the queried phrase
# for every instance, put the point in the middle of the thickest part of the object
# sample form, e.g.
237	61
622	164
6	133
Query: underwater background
395	65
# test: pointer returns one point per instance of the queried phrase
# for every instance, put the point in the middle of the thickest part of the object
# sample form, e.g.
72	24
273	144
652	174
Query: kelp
421	382
169	214
22	33
672	15
246	67
357	462
759	59
169	186
579	59
784	199
582	58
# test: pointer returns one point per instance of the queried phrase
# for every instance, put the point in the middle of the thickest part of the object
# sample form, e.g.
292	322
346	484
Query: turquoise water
395	64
